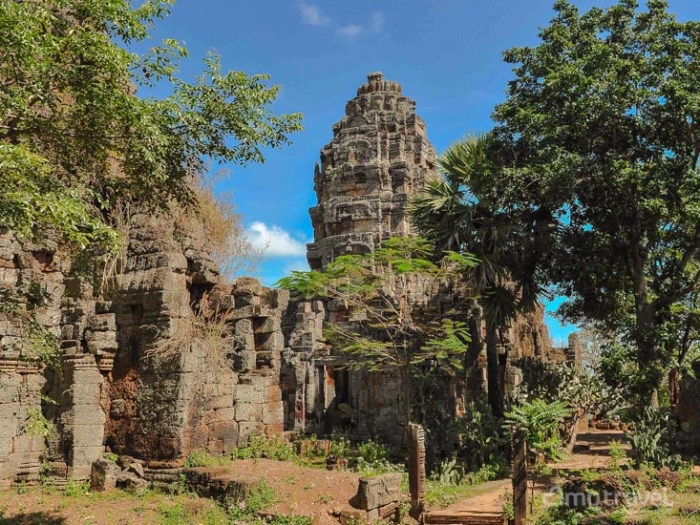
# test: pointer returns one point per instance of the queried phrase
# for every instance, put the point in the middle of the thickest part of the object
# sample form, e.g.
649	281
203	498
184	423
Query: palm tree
458	213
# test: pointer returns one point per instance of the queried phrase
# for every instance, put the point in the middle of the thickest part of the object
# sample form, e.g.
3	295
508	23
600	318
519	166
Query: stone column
84	420
416	469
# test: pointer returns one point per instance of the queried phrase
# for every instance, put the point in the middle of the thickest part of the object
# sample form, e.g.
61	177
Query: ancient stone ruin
379	156
139	373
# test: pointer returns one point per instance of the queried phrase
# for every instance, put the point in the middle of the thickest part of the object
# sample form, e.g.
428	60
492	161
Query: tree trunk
572	431
674	385
649	356
493	371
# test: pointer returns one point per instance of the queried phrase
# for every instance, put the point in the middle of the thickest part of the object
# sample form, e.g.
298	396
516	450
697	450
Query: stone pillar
519	478
84	419
416	469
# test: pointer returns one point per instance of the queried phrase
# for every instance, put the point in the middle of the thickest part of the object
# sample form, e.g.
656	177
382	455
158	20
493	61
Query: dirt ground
304	491
300	491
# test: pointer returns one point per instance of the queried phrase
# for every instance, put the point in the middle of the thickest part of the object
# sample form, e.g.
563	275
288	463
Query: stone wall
139	369
149	355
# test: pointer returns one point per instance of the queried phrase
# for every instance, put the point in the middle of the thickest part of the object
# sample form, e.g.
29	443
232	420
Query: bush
479	432
617	454
371	451
650	438
201	458
262	446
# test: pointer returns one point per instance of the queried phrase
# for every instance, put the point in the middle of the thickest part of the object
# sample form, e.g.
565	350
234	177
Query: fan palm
458	213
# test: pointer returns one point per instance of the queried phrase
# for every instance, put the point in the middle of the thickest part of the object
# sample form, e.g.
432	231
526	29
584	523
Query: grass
684	510
439	496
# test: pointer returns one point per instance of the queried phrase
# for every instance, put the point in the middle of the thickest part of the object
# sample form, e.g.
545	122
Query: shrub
448	473
479	431
617	454
341	446
649	441
371	451
201	458
262	446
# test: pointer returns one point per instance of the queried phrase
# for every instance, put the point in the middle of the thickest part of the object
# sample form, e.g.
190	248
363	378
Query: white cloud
312	15
276	241
349	31
377	22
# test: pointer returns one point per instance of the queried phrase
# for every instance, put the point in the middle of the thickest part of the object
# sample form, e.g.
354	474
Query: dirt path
591	451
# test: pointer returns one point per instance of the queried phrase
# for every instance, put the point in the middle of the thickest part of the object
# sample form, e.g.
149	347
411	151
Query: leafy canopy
75	139
599	134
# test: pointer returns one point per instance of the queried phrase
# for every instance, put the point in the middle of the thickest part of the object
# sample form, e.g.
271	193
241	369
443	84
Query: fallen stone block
130	480
377	492
104	475
220	483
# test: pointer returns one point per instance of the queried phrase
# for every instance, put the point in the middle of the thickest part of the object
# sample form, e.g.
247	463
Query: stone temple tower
379	156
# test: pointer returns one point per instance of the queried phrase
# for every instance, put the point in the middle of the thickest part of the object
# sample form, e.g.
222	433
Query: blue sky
445	53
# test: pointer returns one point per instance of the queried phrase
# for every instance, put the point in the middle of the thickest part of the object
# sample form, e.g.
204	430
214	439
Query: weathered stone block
130	480
378	491
220	483
104	475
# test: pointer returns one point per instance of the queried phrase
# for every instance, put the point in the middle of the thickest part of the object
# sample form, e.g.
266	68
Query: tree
387	327
75	140
599	134
454	213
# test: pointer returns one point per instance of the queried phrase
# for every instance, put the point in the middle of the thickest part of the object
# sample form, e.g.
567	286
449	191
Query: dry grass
210	328
223	230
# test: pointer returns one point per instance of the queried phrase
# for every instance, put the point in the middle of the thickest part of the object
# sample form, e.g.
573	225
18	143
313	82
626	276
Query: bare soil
300	491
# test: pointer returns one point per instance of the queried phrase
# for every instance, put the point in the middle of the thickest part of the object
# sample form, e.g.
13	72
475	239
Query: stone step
464	518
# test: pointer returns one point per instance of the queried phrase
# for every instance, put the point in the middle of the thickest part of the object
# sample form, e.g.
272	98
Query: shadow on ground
34	518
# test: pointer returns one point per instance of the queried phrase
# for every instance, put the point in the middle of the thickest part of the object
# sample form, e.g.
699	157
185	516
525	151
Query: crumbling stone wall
111	384
135	374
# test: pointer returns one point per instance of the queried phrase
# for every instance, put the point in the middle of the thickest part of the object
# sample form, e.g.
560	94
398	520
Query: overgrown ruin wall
139	369
157	357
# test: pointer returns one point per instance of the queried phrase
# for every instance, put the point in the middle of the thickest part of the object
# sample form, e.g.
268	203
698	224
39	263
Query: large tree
600	131
75	139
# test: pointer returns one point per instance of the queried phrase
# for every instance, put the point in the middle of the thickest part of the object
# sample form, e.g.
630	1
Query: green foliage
201	458
340	446
75	140
446	348
650	440
262	446
617	454
258	499
36	424
178	512
479	432
385	333
290	520
507	504
596	141
539	421
372	451
75	488
447	473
